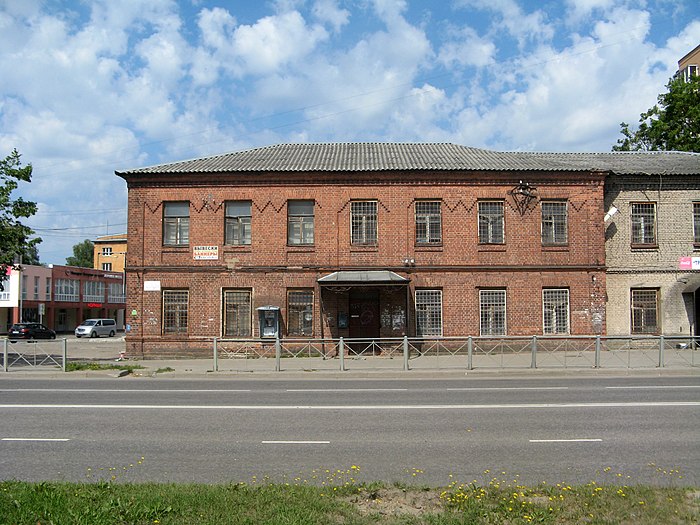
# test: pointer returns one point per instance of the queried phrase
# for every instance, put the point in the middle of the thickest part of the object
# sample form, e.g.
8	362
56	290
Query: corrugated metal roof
423	156
363	277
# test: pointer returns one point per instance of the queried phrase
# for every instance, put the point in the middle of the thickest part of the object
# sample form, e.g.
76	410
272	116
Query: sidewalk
109	351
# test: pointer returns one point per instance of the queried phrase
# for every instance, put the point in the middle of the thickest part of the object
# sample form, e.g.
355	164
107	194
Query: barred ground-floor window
175	311
300	312
237	313
428	312
555	311
644	306
492	312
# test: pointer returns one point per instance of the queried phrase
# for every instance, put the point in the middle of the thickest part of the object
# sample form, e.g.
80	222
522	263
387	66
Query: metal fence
466	353
35	354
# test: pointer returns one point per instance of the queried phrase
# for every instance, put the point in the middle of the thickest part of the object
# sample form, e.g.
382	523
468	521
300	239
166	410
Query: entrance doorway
364	314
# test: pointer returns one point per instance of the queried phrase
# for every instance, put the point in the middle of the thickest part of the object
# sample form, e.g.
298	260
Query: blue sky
90	87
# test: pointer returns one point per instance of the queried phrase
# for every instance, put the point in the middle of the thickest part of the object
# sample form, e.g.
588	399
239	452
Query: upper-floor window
555	222
555	311
36	288
363	222
175	311
237	223
300	222
47	292
644	311
696	223
24	287
428	312
300	312
492	312
689	71
644	223
107	267
106	250
93	291
176	223
428	222
491	222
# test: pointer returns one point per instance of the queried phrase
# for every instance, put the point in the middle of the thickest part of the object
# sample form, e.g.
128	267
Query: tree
14	236
82	254
672	124
30	255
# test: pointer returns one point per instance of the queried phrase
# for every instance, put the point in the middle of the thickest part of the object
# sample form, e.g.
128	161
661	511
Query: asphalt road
429	431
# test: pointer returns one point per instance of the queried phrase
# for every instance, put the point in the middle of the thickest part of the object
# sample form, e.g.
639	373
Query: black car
29	331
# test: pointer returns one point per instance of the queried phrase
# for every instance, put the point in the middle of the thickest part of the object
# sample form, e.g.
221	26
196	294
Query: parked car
29	331
96	328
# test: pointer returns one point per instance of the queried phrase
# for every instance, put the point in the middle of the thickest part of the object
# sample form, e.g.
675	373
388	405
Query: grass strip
107	503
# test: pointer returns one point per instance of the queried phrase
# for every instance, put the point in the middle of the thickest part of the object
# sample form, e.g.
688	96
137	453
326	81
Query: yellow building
110	253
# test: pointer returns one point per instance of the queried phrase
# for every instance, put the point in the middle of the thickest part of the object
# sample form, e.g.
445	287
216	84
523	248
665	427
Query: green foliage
77	366
14	236
83	253
671	125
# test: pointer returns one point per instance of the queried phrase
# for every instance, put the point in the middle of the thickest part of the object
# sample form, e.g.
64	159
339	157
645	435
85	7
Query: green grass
106	503
76	366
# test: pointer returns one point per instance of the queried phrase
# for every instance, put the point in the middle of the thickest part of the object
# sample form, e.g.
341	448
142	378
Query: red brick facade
459	266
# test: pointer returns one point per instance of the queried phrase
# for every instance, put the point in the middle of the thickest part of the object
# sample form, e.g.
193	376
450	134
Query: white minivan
96	328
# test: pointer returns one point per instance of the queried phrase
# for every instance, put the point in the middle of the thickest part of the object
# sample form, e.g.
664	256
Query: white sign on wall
151	286
205	253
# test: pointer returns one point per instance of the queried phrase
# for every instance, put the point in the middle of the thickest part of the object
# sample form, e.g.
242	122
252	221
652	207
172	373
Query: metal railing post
405	353
597	352
4	355
661	351
470	351
533	363
64	345
216	355
278	355
341	354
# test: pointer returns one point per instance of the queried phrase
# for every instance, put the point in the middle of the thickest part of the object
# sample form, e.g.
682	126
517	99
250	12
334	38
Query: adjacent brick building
368	240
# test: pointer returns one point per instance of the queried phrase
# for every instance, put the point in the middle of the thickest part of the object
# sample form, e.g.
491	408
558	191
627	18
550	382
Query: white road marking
118	390
34	439
657	387
347	390
640	404
295	442
488	388
576	440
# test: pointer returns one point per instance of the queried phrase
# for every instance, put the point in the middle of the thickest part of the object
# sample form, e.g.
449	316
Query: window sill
245	248
364	248
301	248
555	247
491	247
437	247
644	247
168	248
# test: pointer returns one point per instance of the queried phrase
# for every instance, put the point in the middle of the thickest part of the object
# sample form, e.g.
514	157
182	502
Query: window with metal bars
492	312
237	223
428	222
363	223
300	312
176	223
696	223
237	313
428	313
554	223
644	223
300	222
555	311
175	310
491	223
645	315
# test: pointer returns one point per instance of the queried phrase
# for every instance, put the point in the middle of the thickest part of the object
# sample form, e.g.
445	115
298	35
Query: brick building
653	248
365	240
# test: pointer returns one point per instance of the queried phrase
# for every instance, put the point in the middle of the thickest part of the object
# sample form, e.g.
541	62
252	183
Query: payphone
269	319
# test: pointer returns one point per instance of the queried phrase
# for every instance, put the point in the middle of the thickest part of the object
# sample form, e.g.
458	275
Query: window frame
240	331
490	237
177	327
696	224
429	312
551	228
637	222
178	225
502	292
106	251
553	327
428	222
364	224
641	307
300	223
305	328
238	230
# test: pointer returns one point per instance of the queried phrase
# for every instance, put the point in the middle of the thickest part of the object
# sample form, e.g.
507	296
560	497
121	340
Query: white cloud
467	49
327	11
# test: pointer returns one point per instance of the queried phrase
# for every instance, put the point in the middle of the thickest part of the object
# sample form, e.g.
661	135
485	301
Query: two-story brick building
364	240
